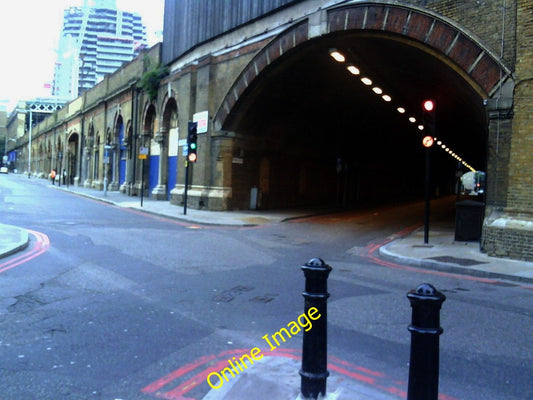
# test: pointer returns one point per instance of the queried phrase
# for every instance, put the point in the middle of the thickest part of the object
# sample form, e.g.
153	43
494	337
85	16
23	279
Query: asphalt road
122	303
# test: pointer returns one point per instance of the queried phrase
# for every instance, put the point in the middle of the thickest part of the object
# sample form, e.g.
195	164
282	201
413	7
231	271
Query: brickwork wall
509	233
516	244
499	146
521	163
489	20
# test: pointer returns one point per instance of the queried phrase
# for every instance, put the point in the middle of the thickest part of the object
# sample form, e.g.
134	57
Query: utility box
254	198
468	220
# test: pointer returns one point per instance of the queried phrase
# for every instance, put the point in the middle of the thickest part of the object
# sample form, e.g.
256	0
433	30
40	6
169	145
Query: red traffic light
428	105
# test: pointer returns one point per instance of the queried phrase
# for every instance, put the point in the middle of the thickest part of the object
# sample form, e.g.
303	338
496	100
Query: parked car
3	170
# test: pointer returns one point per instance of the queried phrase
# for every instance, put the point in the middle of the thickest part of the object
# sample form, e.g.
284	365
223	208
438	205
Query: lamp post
29	146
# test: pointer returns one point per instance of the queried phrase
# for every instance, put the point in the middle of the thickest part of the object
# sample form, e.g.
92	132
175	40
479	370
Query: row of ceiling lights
341	58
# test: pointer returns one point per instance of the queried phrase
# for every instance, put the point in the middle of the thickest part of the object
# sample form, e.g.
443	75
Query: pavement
441	253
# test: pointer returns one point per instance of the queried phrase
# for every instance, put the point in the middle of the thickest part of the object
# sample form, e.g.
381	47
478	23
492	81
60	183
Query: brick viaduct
488	43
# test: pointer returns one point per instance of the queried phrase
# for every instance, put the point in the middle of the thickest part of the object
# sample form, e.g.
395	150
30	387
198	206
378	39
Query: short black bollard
425	330
315	341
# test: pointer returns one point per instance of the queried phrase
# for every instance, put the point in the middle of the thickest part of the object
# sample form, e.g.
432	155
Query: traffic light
192	138
428	108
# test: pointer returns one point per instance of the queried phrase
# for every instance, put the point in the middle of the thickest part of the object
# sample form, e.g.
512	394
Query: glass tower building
96	39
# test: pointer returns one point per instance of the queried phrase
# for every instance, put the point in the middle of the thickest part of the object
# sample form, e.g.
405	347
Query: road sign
201	119
143	153
427	141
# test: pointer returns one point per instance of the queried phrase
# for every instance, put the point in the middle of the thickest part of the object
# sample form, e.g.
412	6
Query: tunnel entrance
308	132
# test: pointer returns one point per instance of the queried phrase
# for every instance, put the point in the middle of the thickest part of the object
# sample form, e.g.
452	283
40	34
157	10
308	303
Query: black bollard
425	330
314	370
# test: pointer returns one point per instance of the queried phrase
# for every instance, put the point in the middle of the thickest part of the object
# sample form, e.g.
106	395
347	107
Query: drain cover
228	295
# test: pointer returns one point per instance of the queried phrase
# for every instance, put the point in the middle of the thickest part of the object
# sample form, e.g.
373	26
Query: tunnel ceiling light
428	105
353	69
337	56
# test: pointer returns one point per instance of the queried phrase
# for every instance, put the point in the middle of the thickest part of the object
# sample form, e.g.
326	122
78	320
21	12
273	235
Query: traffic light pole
428	107
186	187
191	157
427	195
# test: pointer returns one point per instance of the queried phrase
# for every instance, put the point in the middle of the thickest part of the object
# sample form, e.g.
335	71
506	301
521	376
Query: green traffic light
193	146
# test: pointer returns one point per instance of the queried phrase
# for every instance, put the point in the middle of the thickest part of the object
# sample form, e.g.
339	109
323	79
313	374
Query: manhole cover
228	295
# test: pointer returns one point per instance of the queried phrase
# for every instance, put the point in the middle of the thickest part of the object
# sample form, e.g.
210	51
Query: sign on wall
201	119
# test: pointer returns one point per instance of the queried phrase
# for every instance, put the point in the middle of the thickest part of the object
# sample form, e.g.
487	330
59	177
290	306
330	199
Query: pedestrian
53	176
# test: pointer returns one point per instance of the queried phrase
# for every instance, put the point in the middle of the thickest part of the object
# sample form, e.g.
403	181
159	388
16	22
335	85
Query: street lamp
29	137
29	145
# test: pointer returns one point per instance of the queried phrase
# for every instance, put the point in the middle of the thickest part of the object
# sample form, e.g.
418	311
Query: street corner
12	239
275	374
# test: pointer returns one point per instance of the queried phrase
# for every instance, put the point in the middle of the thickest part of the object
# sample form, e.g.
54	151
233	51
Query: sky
29	34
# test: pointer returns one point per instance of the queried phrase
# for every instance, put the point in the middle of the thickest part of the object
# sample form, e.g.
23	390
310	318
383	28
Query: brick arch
168	106
432	31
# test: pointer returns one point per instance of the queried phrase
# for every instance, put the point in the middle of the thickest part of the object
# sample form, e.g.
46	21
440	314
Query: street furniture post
426	302
186	187
314	352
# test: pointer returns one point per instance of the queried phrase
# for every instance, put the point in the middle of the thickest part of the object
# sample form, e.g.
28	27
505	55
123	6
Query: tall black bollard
315	341
425	330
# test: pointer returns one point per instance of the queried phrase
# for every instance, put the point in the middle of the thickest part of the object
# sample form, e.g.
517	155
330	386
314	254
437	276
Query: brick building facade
488	44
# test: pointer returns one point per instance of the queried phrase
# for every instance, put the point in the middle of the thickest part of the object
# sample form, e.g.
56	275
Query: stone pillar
142	167
160	191
114	165
85	166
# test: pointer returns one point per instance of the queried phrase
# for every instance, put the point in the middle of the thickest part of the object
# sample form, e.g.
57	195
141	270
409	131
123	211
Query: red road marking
362	369
217	362
176	374
42	244
198	379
